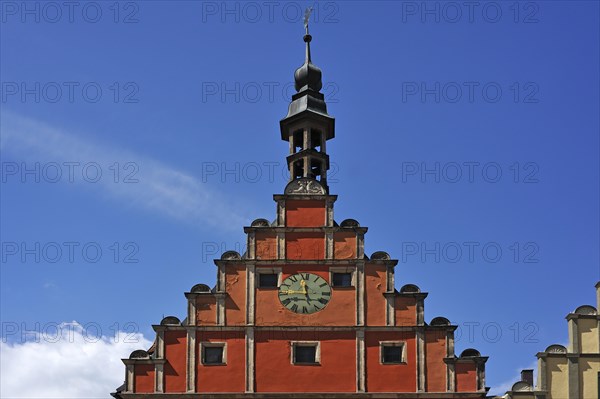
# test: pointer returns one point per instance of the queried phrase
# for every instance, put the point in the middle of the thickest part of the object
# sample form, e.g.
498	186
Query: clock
304	293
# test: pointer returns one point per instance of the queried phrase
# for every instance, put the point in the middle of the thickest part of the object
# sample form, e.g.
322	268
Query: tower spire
307	125
307	36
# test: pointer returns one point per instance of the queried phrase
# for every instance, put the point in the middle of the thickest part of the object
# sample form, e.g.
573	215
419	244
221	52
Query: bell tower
308	126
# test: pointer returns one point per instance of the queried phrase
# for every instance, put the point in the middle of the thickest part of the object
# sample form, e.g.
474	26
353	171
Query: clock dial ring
304	293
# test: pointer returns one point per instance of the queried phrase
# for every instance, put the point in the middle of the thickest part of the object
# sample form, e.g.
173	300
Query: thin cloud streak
160	188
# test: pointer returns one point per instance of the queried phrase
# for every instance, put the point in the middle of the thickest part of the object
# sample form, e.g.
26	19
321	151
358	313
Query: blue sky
466	140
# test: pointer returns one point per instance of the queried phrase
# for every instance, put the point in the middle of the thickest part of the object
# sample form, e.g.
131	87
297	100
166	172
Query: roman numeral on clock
294	308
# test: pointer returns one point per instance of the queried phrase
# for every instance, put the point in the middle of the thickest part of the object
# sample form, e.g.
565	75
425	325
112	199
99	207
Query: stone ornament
440	321
410	288
260	223
556	349
586	310
521	386
231	255
139	354
200	288
305	186
350	223
170	321
380	255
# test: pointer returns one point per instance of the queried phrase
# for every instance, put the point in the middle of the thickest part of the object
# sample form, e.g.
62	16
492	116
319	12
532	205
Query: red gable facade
305	313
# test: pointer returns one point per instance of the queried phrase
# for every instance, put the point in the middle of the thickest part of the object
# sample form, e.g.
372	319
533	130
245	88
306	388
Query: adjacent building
571	372
305	312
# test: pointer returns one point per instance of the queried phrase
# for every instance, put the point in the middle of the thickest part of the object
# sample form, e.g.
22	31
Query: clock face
304	293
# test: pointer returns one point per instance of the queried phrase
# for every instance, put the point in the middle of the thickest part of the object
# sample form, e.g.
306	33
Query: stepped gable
305	313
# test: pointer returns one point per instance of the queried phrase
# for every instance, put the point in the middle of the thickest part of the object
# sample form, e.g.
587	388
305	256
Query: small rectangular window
342	279
392	352
306	352
213	354
268	280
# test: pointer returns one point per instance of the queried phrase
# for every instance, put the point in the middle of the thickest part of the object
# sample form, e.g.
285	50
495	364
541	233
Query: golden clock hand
303	284
292	292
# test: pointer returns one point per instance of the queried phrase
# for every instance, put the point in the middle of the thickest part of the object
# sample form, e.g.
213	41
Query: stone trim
221	289
251	245
481	376
221	310
329	222
542	381
421	363
133	362
360	293
280	213
129	378
191	316
329	245
451	377
317	262
390	279
191	360
450	371
324	197
160	354
242	327
159	377
281	252
573	375
250	359
390	315
305	229
221	276
160	343
250	293
421	311
360	244
450	343
309	395
361	374
574	344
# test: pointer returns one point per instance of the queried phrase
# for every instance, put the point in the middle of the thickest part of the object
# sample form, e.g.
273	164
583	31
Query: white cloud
72	365
160	188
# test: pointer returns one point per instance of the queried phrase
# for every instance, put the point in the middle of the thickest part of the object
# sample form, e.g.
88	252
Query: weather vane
307	17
